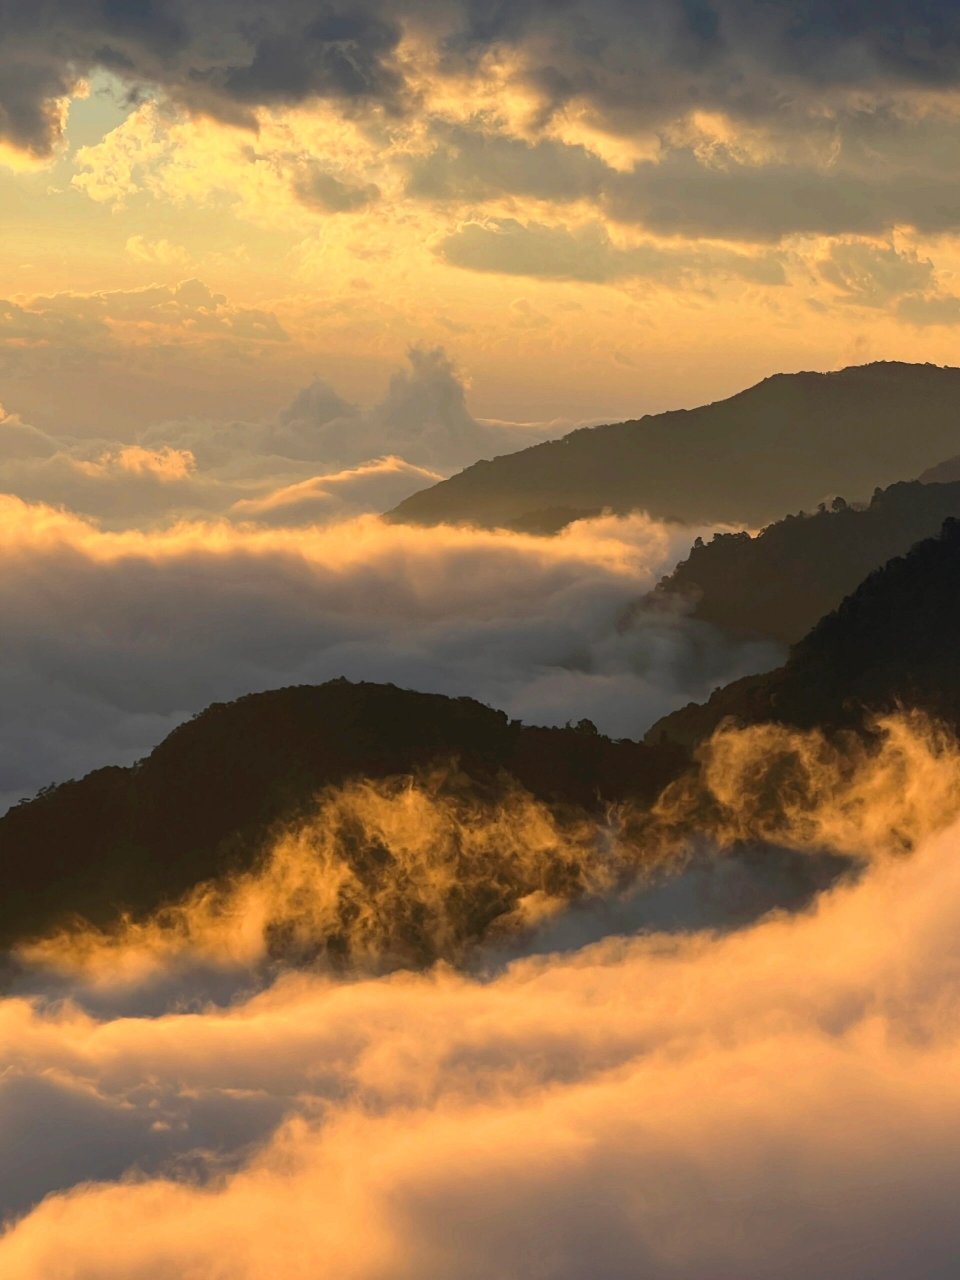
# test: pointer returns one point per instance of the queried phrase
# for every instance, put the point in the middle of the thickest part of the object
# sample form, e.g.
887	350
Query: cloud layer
112	638
775	1100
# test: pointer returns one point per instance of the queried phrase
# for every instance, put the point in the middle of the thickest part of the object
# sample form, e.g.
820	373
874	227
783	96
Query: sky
594	210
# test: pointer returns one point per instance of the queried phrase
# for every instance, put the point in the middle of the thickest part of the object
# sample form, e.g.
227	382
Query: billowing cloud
318	459
780	1096
638	63
111	638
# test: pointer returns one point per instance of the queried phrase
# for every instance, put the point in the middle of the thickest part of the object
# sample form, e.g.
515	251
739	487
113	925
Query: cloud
682	194
111	638
371	486
464	876
132	316
423	419
321	190
319	458
874	275
469	165
756	121
587	253
780	1098
640	63
871	275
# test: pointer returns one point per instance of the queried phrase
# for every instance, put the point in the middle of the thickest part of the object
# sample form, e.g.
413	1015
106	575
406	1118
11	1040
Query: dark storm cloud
681	195
470	165
631	62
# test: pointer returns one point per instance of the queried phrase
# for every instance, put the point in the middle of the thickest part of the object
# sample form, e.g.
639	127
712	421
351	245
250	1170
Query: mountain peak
783	444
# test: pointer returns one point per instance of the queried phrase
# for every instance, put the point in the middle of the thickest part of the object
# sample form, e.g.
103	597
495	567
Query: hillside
779	583
892	642
204	801
782	445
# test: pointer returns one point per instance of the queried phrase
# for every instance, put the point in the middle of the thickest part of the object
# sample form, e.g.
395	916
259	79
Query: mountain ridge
778	583
890	644
785	443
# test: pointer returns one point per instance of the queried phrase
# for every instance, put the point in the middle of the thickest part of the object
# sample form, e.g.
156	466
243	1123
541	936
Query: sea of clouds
777	1099
141	580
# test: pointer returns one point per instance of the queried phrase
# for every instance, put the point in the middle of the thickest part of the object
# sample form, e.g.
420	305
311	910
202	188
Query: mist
777	1098
111	638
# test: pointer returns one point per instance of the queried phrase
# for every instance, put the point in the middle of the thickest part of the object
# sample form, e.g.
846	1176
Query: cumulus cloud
779	1098
113	637
319	458
423	419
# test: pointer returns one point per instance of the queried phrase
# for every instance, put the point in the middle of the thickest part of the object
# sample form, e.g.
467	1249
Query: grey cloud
815	83
889	171
874	275
469	164
343	54
587	253
101	654
871	275
631	64
320	189
682	196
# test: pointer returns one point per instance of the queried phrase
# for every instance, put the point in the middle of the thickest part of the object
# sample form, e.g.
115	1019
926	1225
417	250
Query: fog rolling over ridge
794	1080
891	643
115	637
782	445
780	582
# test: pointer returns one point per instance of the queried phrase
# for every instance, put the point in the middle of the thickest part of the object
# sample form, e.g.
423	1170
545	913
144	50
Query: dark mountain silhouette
784	444
779	583
205	800
892	643
947	472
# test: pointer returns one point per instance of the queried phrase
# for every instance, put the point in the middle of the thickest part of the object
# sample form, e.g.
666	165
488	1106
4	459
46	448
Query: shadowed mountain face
779	583
893	642
781	445
208	797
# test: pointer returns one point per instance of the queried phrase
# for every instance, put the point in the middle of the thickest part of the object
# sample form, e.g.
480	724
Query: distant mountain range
892	643
783	445
779	583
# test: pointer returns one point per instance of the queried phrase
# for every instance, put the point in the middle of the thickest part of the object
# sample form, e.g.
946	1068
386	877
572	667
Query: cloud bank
779	1099
112	638
319	458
